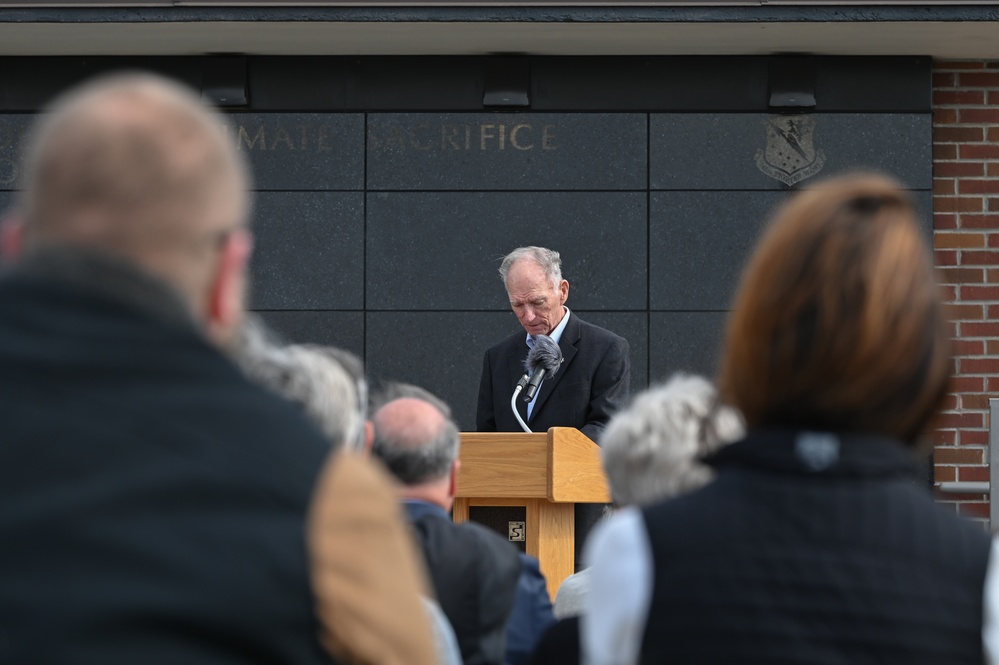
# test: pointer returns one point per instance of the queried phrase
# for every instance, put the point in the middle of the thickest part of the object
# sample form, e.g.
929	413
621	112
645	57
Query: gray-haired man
594	378
487	591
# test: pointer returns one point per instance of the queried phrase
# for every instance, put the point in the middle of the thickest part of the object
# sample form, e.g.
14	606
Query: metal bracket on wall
223	80
791	83
981	487
507	81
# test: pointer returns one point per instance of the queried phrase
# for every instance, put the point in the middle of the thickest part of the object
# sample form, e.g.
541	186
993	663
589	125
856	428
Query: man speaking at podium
585	390
591	383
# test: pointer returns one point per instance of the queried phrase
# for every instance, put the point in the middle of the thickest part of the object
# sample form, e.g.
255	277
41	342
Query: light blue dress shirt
556	335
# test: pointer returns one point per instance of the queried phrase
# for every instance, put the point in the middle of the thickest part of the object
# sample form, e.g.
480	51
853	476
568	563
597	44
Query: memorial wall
384	203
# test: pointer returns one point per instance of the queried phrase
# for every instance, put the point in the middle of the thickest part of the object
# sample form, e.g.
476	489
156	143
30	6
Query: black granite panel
441	251
309	251
649	83
924	208
634	327
443	353
301	151
684	342
732	151
341	329
523	151
698	244
14	129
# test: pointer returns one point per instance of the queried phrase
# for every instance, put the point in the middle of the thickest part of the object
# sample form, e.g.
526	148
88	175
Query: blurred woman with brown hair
816	542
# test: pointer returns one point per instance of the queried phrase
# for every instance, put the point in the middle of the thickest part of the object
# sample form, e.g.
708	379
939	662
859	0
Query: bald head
413	423
415	440
136	167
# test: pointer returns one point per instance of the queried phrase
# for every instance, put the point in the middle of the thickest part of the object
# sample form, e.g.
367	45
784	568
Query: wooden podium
546	472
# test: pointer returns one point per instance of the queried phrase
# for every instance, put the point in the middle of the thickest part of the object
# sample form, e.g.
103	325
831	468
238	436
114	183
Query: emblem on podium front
790	155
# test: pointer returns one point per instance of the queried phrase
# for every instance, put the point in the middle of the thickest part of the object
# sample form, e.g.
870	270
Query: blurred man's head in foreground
137	168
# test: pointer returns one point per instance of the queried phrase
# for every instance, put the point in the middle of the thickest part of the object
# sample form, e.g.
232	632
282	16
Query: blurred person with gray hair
155	506
651	451
327	382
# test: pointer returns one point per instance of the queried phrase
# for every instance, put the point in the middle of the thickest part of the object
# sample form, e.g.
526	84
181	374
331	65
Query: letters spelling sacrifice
485	136
482	137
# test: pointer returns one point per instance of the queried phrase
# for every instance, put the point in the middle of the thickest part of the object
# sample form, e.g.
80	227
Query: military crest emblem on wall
790	155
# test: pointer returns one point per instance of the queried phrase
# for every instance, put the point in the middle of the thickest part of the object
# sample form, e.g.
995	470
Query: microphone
513	402
542	360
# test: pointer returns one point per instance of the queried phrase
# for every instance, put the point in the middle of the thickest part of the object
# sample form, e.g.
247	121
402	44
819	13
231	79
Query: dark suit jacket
474	573
590	386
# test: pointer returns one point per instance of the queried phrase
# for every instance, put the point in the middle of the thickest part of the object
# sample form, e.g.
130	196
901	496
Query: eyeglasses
216	240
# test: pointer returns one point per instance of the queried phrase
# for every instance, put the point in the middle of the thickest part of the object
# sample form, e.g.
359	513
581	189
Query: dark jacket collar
826	454
95	275
417	510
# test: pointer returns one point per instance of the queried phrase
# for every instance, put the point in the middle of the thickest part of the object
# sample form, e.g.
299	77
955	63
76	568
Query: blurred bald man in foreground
154	505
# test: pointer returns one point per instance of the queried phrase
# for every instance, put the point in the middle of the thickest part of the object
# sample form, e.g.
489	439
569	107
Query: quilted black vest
814	548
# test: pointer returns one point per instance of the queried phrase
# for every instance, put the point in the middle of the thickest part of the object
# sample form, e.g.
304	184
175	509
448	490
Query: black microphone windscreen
545	353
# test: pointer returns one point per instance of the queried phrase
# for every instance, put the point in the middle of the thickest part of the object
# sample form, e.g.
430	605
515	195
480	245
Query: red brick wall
966	245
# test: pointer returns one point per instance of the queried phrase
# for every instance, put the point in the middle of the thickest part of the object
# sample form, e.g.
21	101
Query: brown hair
838	323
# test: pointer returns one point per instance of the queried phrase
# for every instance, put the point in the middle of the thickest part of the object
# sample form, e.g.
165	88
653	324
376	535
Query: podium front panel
510	522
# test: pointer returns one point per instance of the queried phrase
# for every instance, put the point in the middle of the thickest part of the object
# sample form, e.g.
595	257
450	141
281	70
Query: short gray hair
651	450
415	462
547	259
326	382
